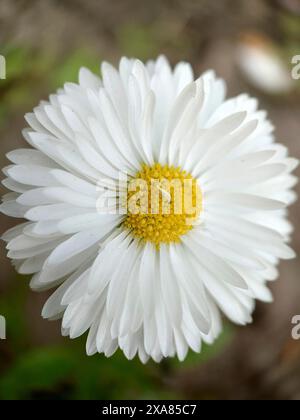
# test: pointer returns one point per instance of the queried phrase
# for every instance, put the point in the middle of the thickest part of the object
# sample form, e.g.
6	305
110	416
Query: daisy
151	282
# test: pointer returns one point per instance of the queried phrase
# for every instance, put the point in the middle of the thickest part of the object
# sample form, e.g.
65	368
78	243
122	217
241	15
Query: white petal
30	157
73	246
82	222
38	176
214	264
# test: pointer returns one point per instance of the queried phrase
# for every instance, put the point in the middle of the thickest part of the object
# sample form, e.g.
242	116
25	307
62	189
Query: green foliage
138	41
18	61
40	369
65	372
45	372
12	306
147	42
30	73
67	70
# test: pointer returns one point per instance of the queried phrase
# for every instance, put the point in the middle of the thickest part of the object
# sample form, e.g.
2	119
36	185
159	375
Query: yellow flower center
163	203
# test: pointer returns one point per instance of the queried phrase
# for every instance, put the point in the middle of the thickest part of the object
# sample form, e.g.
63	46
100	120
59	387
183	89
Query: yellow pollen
163	203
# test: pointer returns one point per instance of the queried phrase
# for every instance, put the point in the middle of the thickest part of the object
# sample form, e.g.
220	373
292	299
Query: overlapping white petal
149	302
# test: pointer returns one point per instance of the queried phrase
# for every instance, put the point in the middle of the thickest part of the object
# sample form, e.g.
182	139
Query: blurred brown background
45	43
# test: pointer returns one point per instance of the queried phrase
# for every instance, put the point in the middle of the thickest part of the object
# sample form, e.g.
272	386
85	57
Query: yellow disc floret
163	203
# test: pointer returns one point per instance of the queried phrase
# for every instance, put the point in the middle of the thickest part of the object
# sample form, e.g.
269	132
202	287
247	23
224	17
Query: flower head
193	228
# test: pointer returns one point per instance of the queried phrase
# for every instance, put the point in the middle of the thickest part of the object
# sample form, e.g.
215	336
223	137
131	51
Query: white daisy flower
151	283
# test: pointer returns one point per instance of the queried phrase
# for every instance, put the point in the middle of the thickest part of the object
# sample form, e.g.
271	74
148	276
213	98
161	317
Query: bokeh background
45	42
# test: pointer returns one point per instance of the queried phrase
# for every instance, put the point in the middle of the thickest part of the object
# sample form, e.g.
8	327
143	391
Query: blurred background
249	43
